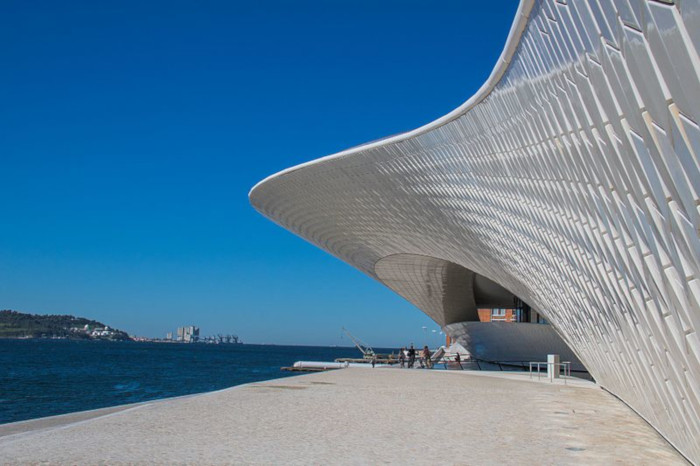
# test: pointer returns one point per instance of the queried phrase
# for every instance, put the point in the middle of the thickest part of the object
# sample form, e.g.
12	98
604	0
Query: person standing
411	356
402	357
426	357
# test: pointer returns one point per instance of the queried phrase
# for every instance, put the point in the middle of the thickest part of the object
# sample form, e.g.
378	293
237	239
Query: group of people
407	357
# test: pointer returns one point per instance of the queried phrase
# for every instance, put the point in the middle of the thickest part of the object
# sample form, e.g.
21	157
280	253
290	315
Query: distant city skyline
133	133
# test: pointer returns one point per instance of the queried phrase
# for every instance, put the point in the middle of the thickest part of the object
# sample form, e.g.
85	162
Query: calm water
47	377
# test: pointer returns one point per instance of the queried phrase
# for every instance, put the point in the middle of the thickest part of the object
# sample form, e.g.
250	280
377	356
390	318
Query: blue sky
131	133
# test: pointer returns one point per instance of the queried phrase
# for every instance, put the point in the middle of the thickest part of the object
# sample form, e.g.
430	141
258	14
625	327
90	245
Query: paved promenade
355	416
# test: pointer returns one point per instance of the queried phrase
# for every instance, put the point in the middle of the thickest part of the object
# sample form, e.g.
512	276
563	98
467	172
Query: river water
47	377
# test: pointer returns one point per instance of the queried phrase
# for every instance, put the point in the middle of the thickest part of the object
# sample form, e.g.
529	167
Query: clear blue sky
131	133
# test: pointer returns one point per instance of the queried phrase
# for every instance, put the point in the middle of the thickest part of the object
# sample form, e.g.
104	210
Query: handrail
566	365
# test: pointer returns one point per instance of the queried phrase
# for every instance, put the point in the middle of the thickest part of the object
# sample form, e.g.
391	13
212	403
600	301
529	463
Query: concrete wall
510	341
571	179
446	291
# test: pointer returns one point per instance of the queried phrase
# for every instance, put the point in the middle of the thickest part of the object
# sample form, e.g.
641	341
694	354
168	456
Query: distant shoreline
199	343
58	337
130	339
19	325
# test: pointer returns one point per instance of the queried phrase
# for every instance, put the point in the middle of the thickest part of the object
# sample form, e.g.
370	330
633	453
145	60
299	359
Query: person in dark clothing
458	360
411	356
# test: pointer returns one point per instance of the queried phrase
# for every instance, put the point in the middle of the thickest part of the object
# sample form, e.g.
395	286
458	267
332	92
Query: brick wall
485	316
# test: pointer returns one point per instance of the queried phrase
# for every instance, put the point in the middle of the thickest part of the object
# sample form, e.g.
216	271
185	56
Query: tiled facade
572	179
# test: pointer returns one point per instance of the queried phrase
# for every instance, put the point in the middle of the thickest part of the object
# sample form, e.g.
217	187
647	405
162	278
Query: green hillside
15	324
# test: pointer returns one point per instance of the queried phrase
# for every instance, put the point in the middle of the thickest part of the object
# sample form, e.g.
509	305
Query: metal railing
566	365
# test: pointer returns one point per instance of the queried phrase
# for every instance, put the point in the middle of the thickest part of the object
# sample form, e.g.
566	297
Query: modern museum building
567	188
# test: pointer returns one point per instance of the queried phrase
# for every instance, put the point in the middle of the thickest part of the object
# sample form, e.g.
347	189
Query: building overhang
571	179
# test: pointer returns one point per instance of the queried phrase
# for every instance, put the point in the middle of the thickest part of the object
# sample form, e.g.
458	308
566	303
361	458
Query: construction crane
365	349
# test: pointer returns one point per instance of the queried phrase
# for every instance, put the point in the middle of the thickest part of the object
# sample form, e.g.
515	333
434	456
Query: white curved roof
571	178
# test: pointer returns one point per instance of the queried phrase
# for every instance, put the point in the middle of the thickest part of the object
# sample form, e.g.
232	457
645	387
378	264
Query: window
498	312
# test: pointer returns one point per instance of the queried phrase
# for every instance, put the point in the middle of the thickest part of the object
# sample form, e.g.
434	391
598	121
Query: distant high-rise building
169	336
188	334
